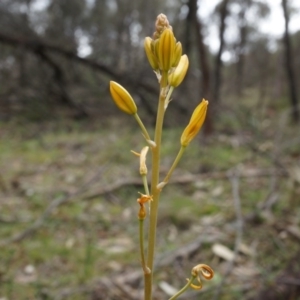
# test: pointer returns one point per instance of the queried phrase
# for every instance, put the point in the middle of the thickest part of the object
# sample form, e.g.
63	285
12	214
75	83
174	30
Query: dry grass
93	234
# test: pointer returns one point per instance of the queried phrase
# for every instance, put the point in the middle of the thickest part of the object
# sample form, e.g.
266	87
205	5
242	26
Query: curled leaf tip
204	270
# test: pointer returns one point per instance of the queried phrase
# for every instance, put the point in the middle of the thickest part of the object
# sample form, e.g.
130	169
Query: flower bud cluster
164	53
165	57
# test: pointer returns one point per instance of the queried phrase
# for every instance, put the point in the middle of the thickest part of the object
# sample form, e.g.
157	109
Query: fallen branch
182	179
121	285
234	176
38	46
49	210
118	184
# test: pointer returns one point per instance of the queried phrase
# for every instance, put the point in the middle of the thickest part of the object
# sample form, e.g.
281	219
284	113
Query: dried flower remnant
143	167
142	200
142	156
161	24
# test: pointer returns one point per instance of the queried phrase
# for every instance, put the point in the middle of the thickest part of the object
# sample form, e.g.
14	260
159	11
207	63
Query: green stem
141	231
143	260
155	192
183	289
143	128
175	163
145	183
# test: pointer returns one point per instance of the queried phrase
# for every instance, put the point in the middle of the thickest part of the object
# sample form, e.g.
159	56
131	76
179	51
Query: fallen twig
234	178
183	179
49	210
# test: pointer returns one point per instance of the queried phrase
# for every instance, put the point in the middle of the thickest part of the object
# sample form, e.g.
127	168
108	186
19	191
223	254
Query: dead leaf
244	249
223	252
167	288
294	231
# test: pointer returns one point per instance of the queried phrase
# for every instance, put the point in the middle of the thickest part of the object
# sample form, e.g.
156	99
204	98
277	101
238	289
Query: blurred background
68	182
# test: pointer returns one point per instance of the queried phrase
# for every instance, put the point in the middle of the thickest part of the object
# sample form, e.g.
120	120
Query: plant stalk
175	163
190	281
155	192
141	233
143	128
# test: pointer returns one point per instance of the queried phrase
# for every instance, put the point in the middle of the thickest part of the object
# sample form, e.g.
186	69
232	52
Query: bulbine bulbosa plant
164	54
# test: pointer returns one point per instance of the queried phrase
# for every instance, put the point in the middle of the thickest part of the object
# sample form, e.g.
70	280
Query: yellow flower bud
176	77
195	123
166	49
154	47
150	55
122	98
177	54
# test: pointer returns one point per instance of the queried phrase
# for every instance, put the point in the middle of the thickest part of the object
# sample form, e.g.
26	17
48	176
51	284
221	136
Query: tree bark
241	53
203	62
223	11
41	49
289	65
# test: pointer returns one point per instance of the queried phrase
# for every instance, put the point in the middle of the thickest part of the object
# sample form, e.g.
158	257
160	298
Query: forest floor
68	211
